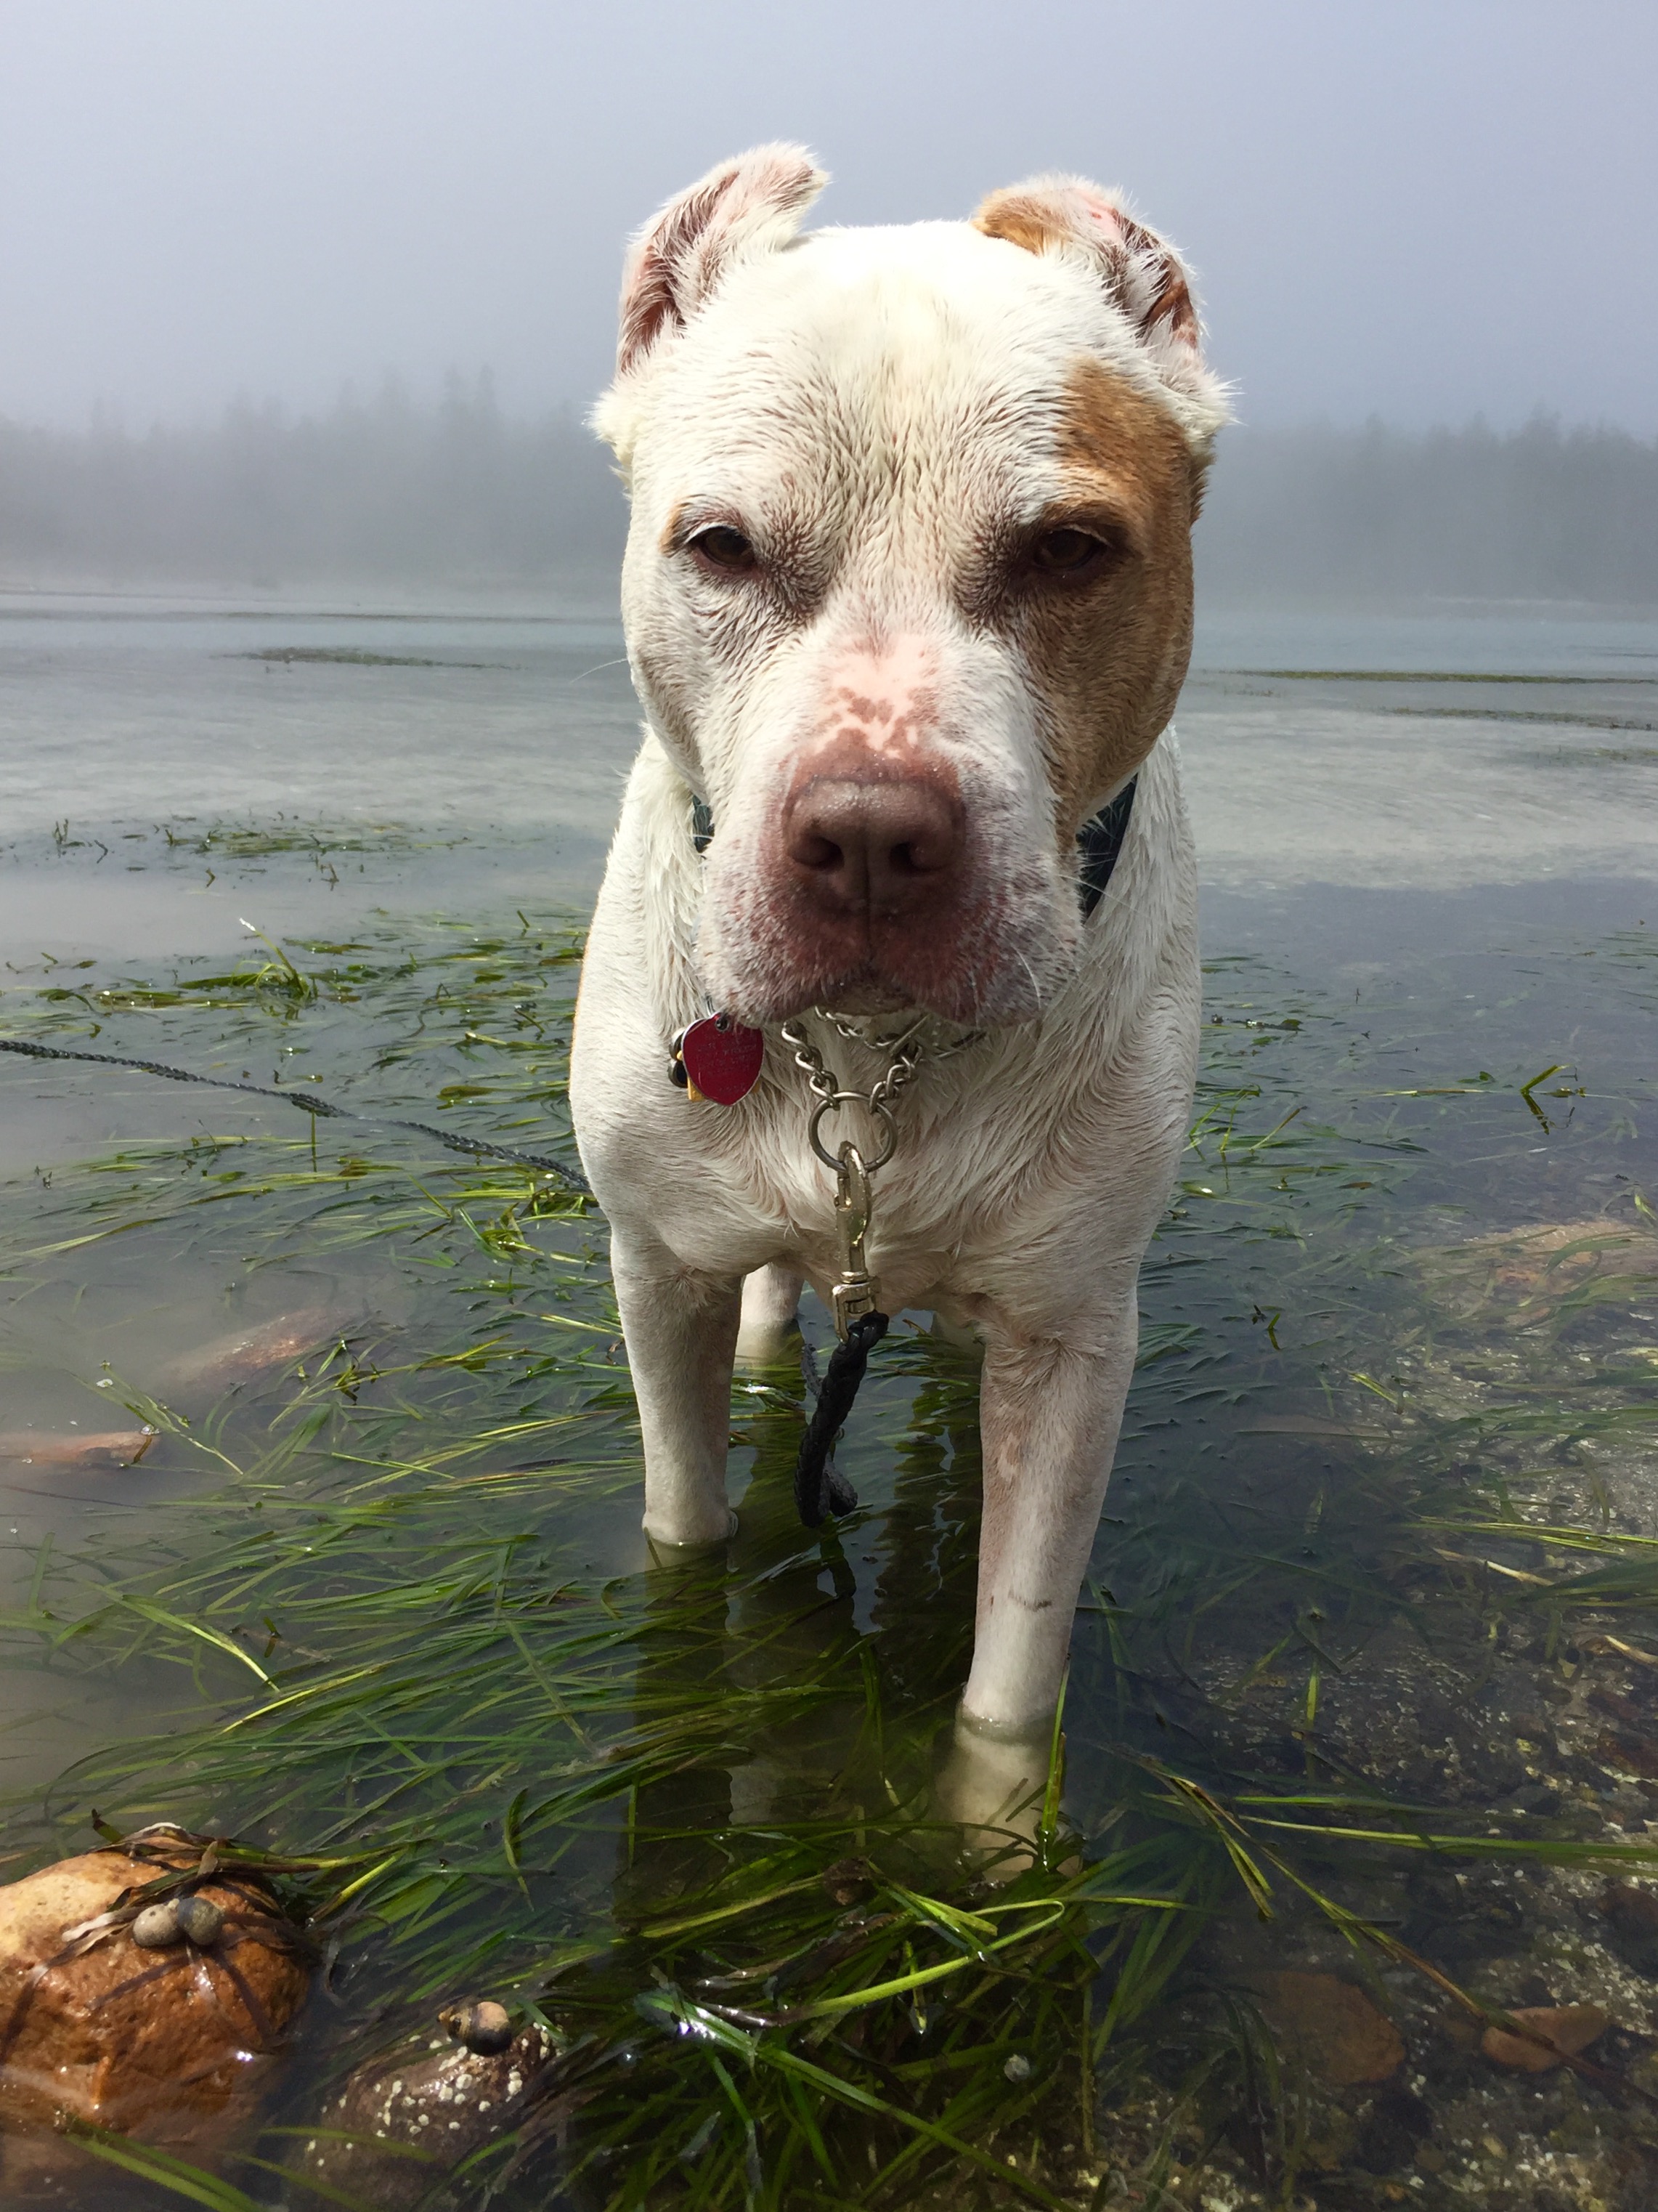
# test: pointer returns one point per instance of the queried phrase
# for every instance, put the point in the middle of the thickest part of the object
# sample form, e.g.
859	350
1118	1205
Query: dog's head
909	587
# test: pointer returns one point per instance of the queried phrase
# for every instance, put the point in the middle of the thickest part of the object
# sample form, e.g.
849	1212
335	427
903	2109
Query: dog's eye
724	549
1068	553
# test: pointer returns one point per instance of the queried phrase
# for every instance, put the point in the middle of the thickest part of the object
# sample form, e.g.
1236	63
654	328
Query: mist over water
456	495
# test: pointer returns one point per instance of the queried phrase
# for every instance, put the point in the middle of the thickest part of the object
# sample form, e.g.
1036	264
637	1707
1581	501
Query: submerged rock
253	1352
1339	2032
400	2122
1569	2029
101	2021
59	1448
1522	1276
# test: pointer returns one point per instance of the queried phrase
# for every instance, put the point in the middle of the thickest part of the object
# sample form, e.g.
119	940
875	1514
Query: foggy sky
1426	211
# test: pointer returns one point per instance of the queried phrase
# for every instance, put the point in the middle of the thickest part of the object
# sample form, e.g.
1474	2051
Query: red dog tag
721	1059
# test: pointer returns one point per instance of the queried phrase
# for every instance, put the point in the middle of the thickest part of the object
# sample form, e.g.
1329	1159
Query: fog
1420	211
253	263
454	496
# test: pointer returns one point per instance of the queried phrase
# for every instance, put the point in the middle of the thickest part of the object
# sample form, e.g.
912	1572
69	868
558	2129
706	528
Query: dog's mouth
962	944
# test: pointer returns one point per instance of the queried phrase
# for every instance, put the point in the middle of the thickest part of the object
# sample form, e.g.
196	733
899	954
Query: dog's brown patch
1109	659
1022	219
1037	218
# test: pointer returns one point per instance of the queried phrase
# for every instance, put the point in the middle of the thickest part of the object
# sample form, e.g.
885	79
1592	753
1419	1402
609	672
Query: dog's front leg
681	1328
1050	1409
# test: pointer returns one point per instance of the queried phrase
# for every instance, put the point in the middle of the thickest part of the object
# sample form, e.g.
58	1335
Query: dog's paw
991	1787
690	1534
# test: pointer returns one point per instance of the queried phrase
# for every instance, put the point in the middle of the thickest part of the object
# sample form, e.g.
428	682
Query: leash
324	1109
859	1325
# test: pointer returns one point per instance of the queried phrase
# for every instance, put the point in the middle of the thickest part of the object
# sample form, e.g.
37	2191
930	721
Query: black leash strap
309	1102
819	1490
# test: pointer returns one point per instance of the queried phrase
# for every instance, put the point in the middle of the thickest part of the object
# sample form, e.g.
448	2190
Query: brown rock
1339	2032
1621	1708
1522	1277
51	1448
145	2041
433	2097
1628	1752
1635	1910
1568	2028
255	1351
848	1881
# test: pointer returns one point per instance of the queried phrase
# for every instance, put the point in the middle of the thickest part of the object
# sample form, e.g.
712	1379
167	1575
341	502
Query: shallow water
405	1369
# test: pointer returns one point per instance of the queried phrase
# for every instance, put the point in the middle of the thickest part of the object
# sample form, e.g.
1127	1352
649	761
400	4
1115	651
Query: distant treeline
456	494
1540	513
386	491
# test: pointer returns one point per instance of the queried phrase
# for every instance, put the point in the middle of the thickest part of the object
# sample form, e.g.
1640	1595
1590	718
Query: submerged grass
1378	1520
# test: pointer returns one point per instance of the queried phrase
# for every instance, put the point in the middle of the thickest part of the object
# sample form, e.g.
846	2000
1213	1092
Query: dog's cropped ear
751	204
1143	275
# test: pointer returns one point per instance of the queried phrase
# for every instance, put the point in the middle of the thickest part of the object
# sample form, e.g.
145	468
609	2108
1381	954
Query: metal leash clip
857	1293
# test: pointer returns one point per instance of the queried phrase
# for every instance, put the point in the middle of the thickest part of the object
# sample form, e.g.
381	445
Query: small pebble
157	1927
200	1919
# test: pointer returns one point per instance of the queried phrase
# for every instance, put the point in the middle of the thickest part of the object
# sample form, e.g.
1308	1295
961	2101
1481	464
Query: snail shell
485	2027
157	1927
200	1919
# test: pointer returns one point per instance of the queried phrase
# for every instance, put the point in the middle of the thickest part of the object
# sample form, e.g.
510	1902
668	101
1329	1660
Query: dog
908	596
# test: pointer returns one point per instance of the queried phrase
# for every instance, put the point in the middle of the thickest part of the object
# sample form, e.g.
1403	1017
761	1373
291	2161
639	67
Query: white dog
907	596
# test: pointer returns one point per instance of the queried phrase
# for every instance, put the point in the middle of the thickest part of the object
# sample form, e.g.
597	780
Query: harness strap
1100	842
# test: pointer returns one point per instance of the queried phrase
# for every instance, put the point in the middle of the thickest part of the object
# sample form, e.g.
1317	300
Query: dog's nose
888	848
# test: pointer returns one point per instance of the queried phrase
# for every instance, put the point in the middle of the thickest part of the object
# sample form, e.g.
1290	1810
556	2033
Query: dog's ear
751	204
1143	275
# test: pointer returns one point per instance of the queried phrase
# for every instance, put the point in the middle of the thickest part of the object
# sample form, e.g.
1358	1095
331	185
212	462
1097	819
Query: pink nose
889	849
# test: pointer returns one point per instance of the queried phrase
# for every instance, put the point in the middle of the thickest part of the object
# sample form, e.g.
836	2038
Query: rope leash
323	1109
819	1486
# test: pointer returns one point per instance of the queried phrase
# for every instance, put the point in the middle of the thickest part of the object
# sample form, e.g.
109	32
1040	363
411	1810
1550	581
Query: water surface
1403	1312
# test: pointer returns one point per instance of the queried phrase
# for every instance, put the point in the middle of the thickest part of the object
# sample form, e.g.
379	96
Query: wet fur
885	412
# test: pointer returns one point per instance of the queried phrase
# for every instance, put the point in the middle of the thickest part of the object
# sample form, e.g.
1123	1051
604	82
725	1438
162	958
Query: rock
54	1448
1635	1910
432	2095
1519	1278
157	1927
848	1881
1629	1753
201	1919
1570	2028
251	1353
1339	2032
145	2040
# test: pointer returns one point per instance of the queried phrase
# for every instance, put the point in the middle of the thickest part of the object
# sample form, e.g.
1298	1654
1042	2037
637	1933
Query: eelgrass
684	1816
